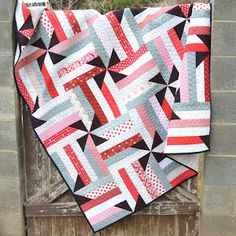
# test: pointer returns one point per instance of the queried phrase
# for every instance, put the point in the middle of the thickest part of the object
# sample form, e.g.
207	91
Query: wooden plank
162	226
59	229
56	190
188	225
137	225
39	226
36	161
115	229
71	209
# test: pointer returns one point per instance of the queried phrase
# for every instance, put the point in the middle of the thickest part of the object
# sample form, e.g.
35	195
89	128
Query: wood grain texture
72	209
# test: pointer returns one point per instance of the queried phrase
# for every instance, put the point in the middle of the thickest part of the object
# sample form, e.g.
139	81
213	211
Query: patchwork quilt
112	97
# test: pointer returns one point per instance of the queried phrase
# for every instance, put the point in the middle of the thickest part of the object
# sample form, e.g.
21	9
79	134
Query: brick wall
218	204
11	160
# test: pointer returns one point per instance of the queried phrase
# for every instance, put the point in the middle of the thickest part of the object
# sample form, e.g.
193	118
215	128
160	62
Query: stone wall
218	204
11	158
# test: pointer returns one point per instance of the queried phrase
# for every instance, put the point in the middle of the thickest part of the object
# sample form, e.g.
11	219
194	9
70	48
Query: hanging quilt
113	96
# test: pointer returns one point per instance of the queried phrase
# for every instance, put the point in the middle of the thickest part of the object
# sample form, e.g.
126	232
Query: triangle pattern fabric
113	101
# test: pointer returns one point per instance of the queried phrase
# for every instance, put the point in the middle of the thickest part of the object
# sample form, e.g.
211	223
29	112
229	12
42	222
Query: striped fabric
112	96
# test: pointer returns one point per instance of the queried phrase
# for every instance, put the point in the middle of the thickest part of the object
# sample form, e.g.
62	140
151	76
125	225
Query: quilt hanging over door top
112	96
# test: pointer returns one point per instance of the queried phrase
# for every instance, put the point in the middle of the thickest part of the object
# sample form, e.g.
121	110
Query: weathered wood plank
162	226
36	160
59	229
187	225
115	229
39	227
137	226
56	190
71	209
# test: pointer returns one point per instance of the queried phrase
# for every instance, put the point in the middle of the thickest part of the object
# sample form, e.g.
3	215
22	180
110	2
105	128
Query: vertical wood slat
115	229
37	161
137	225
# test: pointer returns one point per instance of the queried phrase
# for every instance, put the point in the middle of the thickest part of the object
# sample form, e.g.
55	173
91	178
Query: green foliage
108	5
100	5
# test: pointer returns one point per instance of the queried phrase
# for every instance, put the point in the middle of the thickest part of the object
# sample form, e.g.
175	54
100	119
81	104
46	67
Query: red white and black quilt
113	96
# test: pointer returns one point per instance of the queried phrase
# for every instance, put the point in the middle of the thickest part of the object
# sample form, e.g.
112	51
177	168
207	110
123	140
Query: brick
7	103
223	39
220	170
6	71
223	75
6	10
224	10
219	200
11	166
11	222
222	139
223	107
8	134
6	38
217	225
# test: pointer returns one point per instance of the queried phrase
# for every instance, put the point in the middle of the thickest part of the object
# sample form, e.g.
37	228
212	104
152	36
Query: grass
108	5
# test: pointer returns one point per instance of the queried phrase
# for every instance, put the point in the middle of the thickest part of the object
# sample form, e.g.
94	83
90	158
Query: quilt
119	100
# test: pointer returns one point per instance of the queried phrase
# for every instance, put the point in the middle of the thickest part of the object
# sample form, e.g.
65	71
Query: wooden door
51	211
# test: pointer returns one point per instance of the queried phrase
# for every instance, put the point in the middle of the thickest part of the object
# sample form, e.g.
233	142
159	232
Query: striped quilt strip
112	96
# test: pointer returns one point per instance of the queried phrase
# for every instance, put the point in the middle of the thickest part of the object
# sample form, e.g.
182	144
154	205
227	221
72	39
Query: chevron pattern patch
112	96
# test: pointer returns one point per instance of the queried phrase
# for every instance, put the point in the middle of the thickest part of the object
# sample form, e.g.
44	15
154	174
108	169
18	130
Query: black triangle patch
179	29
200	56
173	90
40	60
22	39
116	76
79	184
36	122
139	204
136	11
81	199
56	57
176	11
157	140
114	59
190	10
161	95
28	24
54	40
36	105
39	44
96	123
97	62
97	140
174	75
100	78
158	79
124	205
206	140
119	14
144	161
140	145
159	156
82	141
206	40
79	125
174	116
177	96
